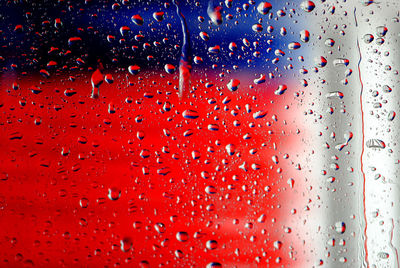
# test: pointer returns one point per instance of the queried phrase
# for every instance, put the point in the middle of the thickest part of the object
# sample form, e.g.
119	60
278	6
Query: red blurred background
64	158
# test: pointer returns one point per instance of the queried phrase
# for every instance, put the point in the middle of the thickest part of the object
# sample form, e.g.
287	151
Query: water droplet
381	31
169	68
320	61
214	49
134	69
109	79
124	30
182	236
158	16
329	42
277	244
114	193
368	38
280	90
383	255
126	244
190	114
230	149
137	19
211	244
366	2
214	265
198	60
160	227
260	80
307	6
294	45
391	115
211	189
232	46
376	143
340	227
260	114
84	202
305	36
179	254
74	41
335	95
233	84
264	7
215	13
213	127
257	27
204	36
341	62
386	89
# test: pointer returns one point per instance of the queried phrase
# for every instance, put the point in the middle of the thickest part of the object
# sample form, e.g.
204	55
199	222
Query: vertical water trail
96	80
185	63
394	249
362	148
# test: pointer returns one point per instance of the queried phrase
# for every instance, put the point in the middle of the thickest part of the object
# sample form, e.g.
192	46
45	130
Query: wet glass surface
199	134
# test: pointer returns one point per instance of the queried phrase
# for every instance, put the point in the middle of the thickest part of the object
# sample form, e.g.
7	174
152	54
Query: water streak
185	63
366	262
392	246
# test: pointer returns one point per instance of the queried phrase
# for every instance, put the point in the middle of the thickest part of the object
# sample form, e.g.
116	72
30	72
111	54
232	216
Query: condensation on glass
199	134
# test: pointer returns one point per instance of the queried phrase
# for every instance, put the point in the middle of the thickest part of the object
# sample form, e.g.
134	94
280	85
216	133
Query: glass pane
199	134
